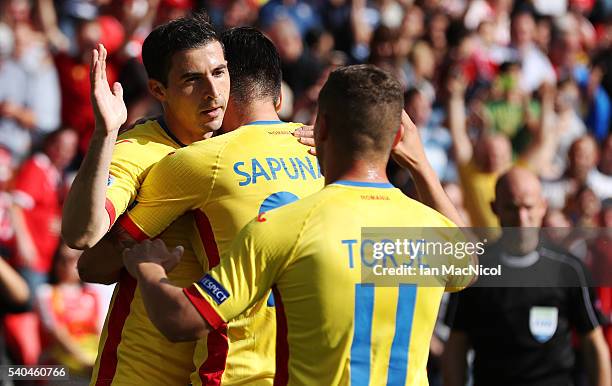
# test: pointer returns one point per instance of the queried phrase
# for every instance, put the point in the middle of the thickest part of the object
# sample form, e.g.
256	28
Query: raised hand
109	109
305	135
409	151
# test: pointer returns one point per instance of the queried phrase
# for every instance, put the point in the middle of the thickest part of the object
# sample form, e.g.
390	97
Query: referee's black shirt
522	336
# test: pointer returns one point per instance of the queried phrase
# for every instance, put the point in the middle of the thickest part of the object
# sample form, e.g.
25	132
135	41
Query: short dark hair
254	65
363	107
177	35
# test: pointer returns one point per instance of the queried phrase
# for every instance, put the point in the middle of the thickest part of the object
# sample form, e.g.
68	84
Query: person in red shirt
36	209
69	314
73	70
7	232
36	217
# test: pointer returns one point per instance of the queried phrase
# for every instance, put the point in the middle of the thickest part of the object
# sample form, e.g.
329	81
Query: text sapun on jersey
271	168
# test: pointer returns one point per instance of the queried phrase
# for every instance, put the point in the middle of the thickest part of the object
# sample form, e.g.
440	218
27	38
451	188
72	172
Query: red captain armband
261	218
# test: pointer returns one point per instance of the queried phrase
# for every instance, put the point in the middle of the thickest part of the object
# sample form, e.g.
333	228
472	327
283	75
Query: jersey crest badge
543	322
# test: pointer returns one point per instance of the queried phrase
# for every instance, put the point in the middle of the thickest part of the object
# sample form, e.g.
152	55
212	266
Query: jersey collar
363	184
162	122
264	123
520	261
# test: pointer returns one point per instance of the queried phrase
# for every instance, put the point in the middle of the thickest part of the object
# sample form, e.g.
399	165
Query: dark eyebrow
190	75
186	75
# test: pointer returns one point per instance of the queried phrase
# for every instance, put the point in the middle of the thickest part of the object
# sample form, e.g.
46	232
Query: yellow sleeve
258	256
178	183
123	180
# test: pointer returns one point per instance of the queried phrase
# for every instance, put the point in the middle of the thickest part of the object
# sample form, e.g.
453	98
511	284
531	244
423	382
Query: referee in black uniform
521	332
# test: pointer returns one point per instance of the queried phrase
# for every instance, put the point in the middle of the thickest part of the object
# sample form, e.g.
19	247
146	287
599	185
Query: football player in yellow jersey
227	180
332	327
188	74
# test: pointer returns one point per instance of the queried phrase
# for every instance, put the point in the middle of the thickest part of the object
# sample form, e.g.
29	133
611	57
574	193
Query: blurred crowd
489	84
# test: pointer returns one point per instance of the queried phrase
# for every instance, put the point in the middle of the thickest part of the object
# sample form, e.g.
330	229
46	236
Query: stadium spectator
455	195
300	68
480	164
601	178
510	109
601	260
420	70
7	232
521	334
68	311
569	126
36	219
495	11
14	295
535	66
77	110
40	111
581	171
301	12
37	210
436	139
566	53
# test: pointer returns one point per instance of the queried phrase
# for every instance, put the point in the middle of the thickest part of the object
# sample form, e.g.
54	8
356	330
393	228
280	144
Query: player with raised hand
409	153
188	75
332	327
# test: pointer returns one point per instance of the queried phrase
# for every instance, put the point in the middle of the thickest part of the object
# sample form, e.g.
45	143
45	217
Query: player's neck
359	171
253	112
242	114
184	134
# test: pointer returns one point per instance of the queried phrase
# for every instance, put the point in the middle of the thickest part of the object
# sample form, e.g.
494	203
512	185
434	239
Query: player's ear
157	89
279	103
398	136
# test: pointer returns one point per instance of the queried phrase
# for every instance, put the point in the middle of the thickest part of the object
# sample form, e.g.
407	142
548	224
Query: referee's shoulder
573	265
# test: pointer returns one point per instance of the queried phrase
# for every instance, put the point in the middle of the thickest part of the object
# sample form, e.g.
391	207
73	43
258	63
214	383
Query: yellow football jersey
333	328
132	350
226	181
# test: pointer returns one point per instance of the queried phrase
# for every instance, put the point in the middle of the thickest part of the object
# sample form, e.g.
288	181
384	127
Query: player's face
198	89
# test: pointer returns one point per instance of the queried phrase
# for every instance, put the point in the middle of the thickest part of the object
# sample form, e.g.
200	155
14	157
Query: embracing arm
166	304
103	262
84	213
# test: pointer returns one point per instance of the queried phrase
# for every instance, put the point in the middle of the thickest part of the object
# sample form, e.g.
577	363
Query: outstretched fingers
103	54
94	71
